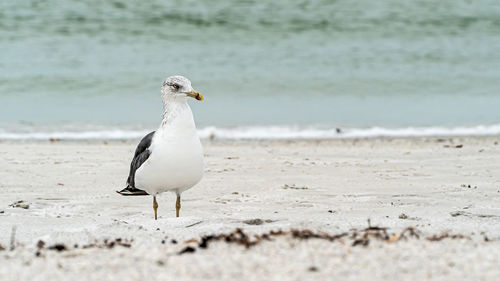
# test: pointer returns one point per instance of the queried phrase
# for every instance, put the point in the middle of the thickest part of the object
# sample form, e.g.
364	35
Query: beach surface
353	209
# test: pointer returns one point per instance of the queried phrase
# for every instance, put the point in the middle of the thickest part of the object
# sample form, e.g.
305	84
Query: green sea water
355	64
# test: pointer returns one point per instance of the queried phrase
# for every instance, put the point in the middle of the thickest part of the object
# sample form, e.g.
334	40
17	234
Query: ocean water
268	69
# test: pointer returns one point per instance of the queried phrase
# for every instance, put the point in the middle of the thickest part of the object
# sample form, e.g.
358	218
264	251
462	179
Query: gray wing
140	156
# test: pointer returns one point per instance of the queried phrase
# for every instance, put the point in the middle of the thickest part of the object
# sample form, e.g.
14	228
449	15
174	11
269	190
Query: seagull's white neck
177	113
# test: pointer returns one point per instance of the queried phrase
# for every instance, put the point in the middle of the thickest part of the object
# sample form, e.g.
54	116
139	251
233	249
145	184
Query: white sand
330	186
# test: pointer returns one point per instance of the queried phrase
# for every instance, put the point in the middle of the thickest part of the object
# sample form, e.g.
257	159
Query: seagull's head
179	86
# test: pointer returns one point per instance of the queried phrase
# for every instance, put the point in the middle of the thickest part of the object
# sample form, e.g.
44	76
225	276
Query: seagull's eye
175	86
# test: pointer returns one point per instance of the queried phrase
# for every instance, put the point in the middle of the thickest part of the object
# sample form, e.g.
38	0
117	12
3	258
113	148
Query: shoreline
437	138
283	132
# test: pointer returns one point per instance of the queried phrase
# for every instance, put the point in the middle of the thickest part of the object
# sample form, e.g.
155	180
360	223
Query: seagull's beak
195	94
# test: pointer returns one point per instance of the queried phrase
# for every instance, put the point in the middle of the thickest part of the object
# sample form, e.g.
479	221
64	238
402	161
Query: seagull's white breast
176	159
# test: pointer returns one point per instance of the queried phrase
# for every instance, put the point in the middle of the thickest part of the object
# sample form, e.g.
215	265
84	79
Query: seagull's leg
178	205
155	207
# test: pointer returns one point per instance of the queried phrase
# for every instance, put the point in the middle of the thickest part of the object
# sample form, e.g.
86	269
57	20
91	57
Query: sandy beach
346	209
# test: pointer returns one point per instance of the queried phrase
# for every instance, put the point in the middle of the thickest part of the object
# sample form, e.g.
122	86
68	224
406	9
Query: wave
339	133
263	133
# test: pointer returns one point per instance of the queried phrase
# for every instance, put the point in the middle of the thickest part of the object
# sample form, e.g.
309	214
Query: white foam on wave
74	135
264	132
336	133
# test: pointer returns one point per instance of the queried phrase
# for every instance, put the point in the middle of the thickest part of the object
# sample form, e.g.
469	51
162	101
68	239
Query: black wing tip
132	191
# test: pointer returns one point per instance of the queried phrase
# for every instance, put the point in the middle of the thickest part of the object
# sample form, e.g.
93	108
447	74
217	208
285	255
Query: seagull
170	158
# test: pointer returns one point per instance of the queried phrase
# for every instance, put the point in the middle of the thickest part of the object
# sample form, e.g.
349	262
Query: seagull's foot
131	191
155	207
